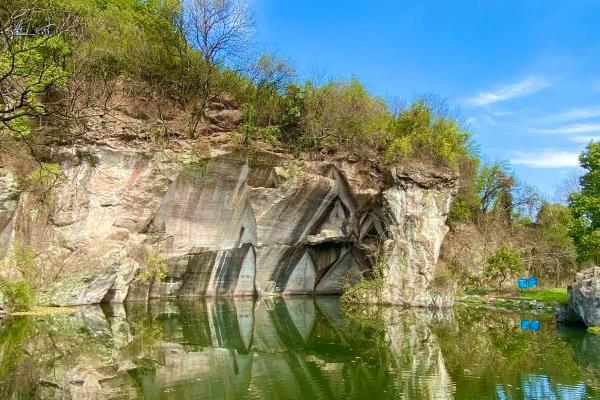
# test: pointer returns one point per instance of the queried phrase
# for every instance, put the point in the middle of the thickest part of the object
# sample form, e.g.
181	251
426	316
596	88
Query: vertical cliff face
230	225
416	208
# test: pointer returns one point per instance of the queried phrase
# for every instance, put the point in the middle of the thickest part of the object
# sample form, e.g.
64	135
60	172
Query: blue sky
524	74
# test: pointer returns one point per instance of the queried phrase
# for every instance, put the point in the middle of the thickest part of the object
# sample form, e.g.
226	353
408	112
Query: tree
553	251
526	201
585	207
564	189
33	49
219	30
505	263
494	183
263	108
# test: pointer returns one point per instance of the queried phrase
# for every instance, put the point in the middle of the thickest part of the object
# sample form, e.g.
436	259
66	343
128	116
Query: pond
294	348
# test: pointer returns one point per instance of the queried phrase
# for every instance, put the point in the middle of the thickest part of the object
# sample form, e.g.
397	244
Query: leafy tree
553	250
505	263
33	49
585	207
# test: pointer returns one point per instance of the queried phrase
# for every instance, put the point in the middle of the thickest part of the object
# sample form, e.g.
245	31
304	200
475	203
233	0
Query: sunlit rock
229	224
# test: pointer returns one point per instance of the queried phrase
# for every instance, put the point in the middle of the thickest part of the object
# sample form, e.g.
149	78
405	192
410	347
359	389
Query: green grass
553	294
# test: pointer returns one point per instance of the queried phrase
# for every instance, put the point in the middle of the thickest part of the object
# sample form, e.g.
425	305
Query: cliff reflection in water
290	349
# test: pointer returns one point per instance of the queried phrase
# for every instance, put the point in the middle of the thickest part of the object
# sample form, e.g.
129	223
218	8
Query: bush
18	296
505	263
155	268
419	130
341	114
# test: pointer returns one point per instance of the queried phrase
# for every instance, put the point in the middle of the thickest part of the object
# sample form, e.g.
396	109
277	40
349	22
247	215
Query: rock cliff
584	299
231	224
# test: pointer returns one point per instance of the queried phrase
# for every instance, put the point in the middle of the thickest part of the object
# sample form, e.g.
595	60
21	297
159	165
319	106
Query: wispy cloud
527	86
547	159
574	114
585	139
572	128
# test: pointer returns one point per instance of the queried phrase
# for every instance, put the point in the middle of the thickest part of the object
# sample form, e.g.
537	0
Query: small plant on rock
155	268
18	296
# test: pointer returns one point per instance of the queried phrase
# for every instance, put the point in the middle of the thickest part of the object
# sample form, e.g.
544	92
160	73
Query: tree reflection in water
292	348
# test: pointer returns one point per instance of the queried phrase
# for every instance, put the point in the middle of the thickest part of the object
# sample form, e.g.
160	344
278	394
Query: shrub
18	296
155	268
23	258
41	181
505	263
369	288
291	172
419	130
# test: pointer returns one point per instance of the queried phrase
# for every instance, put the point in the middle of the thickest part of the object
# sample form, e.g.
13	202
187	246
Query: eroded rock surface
416	212
584	296
227	225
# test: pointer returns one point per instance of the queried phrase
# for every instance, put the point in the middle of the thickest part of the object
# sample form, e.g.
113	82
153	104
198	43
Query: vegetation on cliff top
61	57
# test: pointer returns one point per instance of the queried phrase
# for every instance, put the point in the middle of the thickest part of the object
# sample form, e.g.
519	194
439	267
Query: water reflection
291	349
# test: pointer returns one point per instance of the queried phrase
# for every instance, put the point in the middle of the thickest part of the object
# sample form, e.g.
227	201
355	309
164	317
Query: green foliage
18	296
555	221
368	288
505	263
31	62
419	130
41	181
146	41
291	172
23	258
46	175
154	269
465	205
139	38
339	114
585	207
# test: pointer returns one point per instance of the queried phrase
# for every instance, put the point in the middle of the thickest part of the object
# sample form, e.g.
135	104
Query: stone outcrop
584	296
227	225
416	210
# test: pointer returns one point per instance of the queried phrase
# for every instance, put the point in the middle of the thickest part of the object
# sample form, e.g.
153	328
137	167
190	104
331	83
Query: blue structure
533	325
532	282
522	283
525	283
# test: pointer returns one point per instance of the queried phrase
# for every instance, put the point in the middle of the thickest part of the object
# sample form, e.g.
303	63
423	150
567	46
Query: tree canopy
585	207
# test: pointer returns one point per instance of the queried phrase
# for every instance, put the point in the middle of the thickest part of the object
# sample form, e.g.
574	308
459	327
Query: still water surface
297	348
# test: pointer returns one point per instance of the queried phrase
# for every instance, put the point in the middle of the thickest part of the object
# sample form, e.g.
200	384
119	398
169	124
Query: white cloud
547	159
573	128
574	114
525	87
585	139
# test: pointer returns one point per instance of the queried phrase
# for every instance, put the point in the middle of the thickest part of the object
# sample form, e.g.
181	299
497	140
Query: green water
299	348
